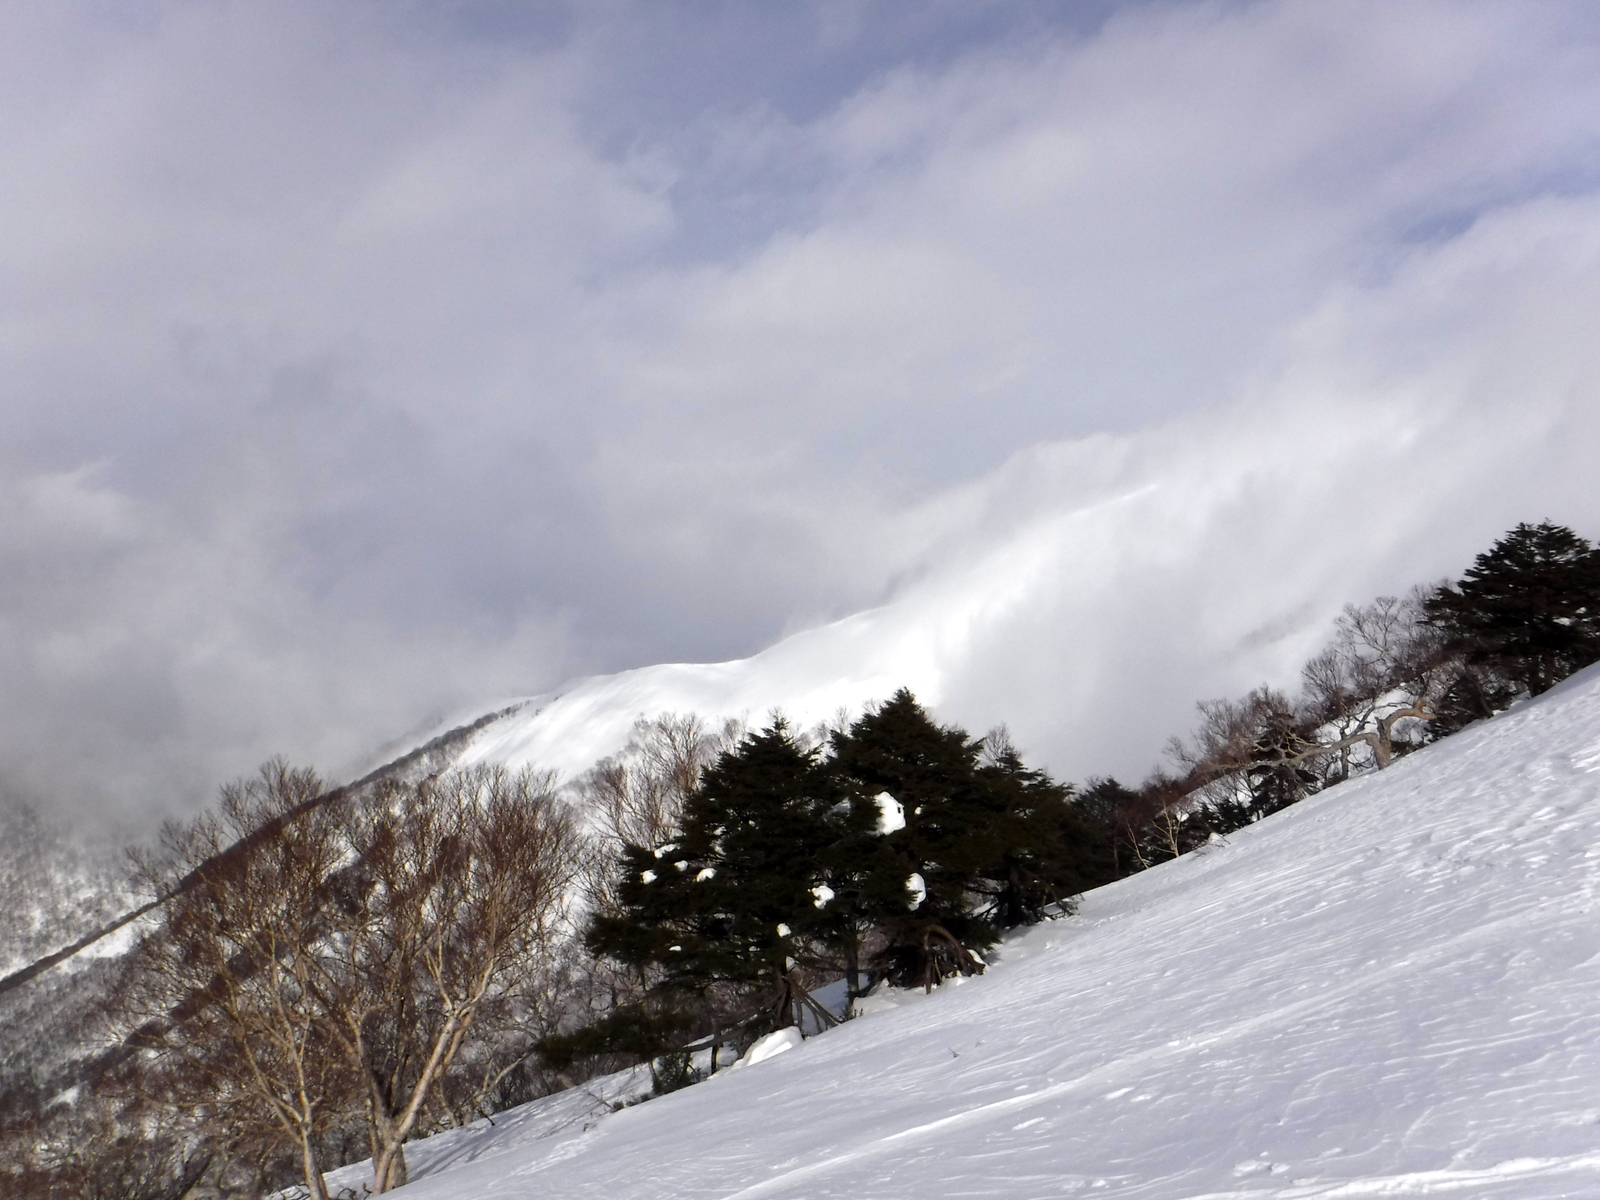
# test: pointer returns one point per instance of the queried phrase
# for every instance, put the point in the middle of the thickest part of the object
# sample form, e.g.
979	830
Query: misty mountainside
53	890
56	890
1388	989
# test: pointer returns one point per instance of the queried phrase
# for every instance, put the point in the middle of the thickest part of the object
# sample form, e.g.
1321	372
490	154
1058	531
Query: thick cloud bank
363	363
1091	590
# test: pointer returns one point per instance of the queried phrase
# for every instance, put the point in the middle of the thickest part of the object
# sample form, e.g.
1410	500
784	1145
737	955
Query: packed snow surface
1392	989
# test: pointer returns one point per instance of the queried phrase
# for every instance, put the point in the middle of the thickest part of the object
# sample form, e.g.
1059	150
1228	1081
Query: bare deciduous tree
639	793
462	891
338	966
1238	737
1385	665
229	982
636	797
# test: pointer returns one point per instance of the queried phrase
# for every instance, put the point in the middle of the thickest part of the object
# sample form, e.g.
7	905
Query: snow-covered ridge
810	677
1389	989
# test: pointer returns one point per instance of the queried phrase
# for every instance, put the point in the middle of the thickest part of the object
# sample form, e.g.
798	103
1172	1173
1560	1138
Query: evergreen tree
1112	815
1529	606
786	864
1477	692
1048	850
1229	813
857	874
919	893
740	898
977	842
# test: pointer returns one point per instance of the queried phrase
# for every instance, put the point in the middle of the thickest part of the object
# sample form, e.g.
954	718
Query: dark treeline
890	848
409	956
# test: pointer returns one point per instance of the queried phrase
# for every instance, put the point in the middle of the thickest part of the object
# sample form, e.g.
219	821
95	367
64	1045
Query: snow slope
1392	989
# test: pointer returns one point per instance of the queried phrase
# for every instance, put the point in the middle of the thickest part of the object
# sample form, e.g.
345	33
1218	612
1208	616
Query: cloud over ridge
1096	588
364	365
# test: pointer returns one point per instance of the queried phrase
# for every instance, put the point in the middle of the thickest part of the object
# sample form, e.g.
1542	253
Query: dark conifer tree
1048	850
920	892
856	880
738	898
1478	692
1529	606
1113	814
1227	814
986	844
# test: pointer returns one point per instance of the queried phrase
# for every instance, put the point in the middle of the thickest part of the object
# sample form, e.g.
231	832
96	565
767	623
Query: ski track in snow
1392	989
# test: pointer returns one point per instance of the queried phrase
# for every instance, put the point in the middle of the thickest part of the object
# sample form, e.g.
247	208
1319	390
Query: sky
365	364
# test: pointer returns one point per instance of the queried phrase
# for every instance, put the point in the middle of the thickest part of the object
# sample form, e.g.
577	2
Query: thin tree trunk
965	963
389	1167
1170	827
308	1165
388	1151
1133	844
390	1172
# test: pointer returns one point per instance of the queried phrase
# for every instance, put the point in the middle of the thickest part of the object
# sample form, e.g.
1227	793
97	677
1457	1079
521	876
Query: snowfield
1392	989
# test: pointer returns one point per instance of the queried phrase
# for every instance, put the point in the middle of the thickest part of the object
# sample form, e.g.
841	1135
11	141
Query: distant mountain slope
68	919
1391	989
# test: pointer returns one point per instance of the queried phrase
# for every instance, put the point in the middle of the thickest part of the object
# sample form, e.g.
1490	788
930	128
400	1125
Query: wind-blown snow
1388	990
1088	593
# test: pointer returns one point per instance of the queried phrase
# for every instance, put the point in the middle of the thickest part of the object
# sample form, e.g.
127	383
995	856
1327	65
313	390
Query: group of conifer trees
892	848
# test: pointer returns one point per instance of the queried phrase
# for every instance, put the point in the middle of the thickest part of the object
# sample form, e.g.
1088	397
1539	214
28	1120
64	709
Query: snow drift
1389	989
